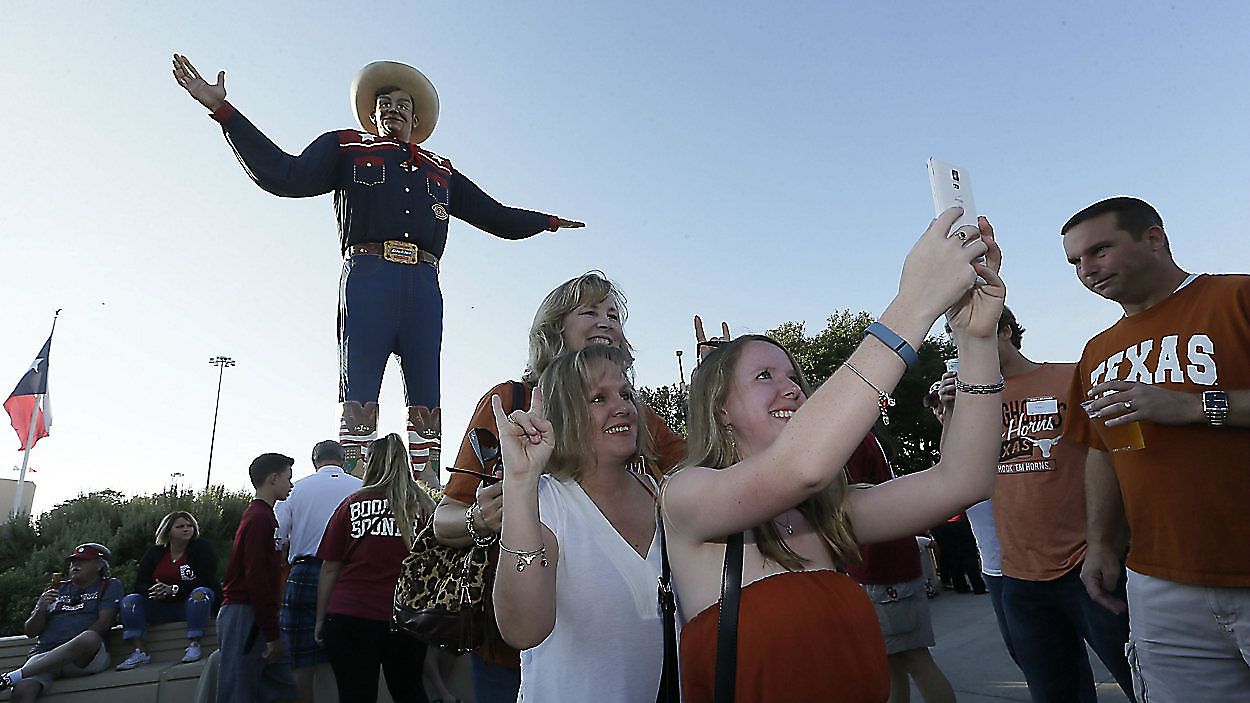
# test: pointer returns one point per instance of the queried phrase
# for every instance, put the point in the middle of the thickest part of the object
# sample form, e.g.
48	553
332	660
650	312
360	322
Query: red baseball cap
90	550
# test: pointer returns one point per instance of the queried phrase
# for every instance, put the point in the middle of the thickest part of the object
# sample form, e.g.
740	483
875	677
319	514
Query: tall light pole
221	362
680	371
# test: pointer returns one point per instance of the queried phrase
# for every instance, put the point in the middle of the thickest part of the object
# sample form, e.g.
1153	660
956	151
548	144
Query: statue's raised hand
209	95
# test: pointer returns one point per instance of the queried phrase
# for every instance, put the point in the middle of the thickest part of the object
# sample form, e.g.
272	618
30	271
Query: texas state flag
32	391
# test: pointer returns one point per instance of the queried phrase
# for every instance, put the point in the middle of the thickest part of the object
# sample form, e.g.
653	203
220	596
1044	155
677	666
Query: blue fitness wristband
896	343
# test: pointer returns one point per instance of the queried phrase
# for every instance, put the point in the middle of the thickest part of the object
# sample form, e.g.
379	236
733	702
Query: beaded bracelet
897	344
980	389
884	401
478	539
526	557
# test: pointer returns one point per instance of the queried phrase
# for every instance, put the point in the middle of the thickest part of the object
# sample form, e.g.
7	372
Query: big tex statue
393	200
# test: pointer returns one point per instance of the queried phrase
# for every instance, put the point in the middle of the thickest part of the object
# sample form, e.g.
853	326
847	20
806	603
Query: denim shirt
384	189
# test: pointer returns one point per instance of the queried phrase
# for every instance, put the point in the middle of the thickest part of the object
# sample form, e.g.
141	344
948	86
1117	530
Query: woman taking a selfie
767	459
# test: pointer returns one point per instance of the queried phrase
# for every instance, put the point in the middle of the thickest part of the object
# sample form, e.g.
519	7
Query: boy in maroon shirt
252	596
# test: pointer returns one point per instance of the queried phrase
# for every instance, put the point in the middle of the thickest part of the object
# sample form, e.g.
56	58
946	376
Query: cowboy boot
357	430
425	431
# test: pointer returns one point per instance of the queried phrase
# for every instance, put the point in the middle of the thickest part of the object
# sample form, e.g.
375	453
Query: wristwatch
1215	407
174	588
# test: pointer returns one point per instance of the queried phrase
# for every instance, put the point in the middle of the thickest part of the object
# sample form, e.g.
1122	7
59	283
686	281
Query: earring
733	443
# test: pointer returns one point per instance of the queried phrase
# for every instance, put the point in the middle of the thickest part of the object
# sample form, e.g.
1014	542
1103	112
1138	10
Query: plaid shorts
298	618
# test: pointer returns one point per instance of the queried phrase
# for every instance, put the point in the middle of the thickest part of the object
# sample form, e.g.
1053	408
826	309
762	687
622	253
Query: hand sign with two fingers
703	345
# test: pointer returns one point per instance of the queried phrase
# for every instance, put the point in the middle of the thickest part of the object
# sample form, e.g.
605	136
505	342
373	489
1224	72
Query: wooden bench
163	680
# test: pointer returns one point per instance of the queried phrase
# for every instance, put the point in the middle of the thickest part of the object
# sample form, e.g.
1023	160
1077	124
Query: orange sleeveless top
804	635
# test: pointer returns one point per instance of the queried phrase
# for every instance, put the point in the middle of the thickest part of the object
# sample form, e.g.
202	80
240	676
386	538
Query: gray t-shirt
75	609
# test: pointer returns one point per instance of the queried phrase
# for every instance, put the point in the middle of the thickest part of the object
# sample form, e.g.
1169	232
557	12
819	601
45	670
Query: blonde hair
710	443
565	387
547	330
389	473
167	522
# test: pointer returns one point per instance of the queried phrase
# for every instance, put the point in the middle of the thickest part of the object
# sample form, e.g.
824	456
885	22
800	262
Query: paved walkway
971	653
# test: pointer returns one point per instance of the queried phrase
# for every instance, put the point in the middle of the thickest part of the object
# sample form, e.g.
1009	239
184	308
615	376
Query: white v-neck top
607	644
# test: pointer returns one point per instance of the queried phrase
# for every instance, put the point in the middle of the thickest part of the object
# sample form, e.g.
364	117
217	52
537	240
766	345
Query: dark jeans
138	611
959	562
494	683
995	586
357	647
1049	623
388	308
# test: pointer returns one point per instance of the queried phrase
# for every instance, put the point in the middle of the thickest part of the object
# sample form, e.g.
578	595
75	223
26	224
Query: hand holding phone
952	187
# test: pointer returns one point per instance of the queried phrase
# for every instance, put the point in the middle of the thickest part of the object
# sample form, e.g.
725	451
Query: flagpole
30	439
30	435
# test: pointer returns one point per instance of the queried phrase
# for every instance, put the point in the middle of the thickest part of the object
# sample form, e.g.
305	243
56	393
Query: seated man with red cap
70	619
393	200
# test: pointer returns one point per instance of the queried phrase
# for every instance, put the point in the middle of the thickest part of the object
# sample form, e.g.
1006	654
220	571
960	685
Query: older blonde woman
580	552
766	466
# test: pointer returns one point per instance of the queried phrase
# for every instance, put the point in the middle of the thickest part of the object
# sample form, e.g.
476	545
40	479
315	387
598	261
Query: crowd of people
1106	495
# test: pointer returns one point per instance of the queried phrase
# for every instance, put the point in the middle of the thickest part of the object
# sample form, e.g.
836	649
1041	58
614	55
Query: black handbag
670	687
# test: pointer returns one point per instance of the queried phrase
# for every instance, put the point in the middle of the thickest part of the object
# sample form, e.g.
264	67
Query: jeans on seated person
138	611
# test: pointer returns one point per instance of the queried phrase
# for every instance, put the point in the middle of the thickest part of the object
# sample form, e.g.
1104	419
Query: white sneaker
193	653
136	658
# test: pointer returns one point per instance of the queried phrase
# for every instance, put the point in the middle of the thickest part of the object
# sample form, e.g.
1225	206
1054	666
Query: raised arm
311	173
815	443
525	584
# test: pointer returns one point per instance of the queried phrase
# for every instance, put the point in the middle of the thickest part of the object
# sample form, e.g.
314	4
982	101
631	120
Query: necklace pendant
439	211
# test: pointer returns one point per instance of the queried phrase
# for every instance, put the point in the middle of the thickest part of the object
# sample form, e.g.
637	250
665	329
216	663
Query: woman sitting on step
177	581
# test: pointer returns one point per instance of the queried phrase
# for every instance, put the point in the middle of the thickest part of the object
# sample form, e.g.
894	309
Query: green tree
670	403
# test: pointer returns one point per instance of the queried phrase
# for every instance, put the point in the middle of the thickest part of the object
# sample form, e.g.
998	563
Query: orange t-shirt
1186	493
1039	497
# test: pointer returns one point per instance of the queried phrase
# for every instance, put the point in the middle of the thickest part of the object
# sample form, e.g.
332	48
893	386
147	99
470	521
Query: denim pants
1049	623
389	308
138	612
494	683
995	586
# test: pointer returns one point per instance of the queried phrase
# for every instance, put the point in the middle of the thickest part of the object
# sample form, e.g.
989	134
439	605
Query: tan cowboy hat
404	77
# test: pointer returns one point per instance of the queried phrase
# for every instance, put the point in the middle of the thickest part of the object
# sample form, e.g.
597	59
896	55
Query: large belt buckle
400	252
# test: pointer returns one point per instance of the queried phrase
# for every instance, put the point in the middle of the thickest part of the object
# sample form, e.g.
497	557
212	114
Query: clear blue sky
750	162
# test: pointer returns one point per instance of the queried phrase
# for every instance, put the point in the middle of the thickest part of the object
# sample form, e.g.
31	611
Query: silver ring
963	236
1128	405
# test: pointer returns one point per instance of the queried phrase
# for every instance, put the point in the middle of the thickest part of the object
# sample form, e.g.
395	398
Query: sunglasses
486	448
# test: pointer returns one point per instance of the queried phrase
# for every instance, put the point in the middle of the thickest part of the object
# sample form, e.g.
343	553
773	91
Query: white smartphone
952	187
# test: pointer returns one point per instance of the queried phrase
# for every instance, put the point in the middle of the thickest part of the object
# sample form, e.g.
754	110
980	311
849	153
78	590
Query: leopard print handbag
441	595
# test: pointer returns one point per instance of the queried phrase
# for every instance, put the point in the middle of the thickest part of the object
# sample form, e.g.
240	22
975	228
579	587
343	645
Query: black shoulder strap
727	624
670	690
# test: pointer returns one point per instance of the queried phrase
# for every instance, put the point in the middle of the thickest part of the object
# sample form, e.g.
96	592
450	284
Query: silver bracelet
884	401
526	557
478	539
980	389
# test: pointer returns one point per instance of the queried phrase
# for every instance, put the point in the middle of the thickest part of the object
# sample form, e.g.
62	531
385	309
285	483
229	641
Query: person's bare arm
325	584
1105	532
1122	402
39	616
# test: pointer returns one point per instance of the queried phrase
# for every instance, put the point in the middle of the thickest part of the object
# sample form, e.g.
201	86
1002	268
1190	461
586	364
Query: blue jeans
1049	623
138	612
494	683
388	308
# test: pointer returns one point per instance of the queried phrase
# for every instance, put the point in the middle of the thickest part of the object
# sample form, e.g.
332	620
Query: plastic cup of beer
952	365
1118	438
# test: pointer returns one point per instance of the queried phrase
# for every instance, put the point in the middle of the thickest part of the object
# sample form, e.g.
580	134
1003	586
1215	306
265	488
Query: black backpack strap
727	624
518	396
670	690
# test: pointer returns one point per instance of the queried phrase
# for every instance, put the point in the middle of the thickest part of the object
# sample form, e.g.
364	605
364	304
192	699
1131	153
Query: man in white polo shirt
302	519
